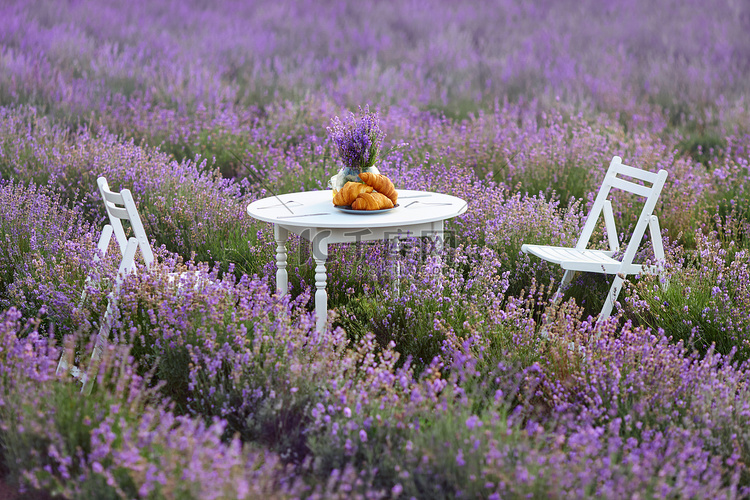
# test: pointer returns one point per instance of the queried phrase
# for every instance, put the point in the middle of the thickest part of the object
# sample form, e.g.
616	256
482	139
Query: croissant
349	193
372	201
381	184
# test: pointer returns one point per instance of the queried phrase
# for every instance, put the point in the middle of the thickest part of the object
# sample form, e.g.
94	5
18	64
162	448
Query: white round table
312	215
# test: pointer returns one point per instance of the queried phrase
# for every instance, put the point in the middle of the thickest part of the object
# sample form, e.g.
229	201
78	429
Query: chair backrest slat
637	173
631	187
111	196
118	212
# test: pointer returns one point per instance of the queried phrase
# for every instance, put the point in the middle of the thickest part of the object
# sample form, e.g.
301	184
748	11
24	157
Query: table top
316	209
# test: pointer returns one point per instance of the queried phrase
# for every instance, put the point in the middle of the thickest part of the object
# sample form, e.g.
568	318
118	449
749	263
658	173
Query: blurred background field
446	389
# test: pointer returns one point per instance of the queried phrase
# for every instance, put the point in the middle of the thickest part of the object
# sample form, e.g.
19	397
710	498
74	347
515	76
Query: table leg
437	241
280	235
395	256
320	254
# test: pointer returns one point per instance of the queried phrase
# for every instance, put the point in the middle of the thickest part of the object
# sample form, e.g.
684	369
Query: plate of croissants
375	194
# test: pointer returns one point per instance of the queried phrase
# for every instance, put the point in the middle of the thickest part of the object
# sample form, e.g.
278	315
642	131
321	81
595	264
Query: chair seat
594	261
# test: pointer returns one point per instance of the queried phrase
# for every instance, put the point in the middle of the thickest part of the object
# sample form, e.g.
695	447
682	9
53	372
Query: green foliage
569	180
702	148
45	250
28	142
418	322
702	301
589	291
217	145
262	404
732	219
54	422
409	324
75	417
456	109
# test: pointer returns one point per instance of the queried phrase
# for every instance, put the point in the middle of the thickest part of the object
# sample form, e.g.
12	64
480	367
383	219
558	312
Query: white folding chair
580	258
120	206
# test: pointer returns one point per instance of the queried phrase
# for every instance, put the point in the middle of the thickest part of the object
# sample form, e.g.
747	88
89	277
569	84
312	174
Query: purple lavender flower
358	140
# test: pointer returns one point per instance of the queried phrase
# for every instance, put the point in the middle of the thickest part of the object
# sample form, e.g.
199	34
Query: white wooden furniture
580	258
120	207
311	215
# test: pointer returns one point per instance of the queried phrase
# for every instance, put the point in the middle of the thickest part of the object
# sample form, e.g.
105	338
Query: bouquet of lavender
358	141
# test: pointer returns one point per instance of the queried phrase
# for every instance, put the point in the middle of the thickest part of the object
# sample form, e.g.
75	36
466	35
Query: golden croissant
381	184
372	201
349	193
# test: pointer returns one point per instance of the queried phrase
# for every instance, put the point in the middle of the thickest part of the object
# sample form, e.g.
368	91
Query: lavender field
465	381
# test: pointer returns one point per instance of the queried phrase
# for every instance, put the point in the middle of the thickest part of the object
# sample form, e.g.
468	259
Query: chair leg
395	257
655	229
88	377
567	279
62	365
65	368
96	355
609	302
